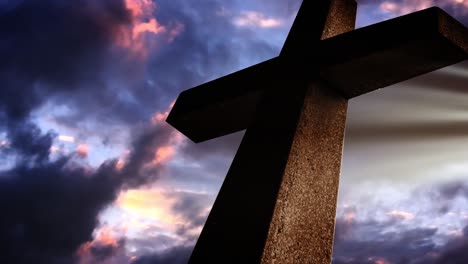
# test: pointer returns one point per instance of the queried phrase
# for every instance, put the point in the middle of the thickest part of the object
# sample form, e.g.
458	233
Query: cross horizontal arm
393	51
223	106
353	63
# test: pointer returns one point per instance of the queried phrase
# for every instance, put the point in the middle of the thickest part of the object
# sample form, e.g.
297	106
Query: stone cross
278	201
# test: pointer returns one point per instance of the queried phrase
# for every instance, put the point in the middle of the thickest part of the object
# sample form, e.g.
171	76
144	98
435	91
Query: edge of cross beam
392	51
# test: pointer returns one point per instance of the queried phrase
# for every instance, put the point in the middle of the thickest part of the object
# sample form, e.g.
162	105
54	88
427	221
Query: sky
91	173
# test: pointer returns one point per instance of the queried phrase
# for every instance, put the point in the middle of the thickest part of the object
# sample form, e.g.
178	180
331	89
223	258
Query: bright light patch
65	138
401	215
408	6
256	19
54	149
4	144
149	204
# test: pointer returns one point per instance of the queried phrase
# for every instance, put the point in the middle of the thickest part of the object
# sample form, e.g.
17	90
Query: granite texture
302	226
341	18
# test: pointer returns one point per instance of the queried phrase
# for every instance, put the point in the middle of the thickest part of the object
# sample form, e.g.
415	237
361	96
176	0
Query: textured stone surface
302	226
237	227
341	18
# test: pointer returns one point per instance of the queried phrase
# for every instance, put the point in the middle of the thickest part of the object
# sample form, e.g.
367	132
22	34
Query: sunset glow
82	150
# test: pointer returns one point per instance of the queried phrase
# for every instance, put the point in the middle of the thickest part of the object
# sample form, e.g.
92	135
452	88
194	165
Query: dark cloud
176	255
145	142
49	208
53	46
28	143
101	252
455	251
193	208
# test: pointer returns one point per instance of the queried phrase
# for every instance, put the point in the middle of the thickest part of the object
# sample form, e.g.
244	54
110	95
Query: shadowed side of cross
278	201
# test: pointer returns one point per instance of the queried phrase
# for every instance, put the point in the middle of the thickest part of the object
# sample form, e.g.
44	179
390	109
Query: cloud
458	8
65	138
51	207
143	23
82	150
371	238
104	249
86	53
256	19
176	255
72	47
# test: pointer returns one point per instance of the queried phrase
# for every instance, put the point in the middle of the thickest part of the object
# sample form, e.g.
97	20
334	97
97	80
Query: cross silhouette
278	201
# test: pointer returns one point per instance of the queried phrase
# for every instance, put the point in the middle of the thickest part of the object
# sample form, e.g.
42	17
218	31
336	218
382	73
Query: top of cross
318	20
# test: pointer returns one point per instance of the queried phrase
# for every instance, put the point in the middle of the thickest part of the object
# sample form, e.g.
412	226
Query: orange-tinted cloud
163	154
139	37
349	217
160	117
103	237
82	150
139	8
381	261
143	22
147	27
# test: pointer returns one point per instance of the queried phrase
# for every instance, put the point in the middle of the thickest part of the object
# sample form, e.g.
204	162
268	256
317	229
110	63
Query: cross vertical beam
237	227
302	226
